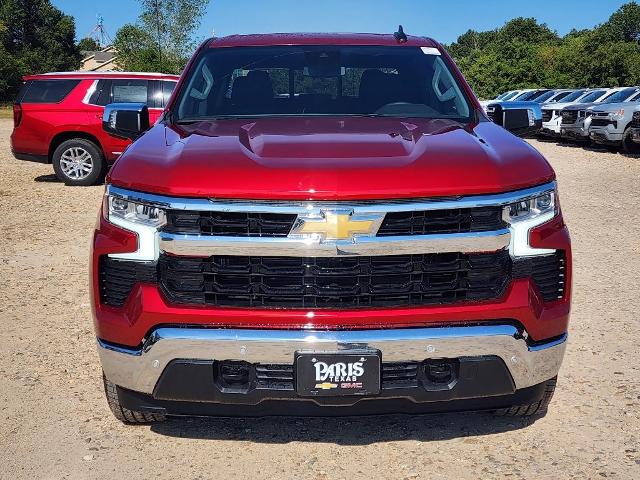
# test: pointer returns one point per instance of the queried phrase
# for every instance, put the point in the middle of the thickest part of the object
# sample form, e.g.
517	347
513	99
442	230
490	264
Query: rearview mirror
520	118
126	120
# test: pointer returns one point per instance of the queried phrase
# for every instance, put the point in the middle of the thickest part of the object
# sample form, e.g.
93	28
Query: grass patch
6	110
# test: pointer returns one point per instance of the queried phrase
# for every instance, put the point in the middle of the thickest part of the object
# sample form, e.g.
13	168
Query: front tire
629	146
125	415
78	162
538	408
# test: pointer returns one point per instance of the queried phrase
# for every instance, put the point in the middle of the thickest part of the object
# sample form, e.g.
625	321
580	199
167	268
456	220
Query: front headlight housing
531	208
118	208
617	115
526	214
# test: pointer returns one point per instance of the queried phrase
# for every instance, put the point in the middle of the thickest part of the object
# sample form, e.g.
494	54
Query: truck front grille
547	115
347	282
246	224
458	220
569	117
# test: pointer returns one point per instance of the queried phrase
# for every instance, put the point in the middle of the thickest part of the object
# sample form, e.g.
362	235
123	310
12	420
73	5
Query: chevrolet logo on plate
336	225
326	386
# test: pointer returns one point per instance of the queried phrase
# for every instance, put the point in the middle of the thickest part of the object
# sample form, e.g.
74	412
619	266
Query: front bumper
605	136
476	349
575	132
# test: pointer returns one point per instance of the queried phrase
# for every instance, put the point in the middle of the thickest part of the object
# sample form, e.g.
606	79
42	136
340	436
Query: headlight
617	115
522	216
531	208
137	213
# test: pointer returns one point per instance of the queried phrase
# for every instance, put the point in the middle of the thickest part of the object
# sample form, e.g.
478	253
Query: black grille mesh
569	117
243	224
117	278
481	219
235	224
332	282
346	282
547	115
547	271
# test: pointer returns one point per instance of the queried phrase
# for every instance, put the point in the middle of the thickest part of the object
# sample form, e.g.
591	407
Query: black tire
98	164
534	409
629	146
124	414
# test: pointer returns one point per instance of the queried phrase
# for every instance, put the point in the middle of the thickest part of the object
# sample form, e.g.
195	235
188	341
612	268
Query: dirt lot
54	421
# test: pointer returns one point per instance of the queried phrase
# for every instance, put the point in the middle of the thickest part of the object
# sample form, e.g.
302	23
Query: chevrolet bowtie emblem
336	225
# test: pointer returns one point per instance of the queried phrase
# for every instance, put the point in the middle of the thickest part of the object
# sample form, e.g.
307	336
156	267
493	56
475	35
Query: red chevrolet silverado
327	224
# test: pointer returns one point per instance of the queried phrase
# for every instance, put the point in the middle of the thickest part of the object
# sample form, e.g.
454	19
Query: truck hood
582	106
328	159
614	107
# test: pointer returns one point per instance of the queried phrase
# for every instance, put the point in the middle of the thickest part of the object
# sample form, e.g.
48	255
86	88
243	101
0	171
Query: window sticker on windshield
430	51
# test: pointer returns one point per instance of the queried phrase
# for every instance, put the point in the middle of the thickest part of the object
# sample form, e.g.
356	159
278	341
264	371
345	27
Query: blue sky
442	20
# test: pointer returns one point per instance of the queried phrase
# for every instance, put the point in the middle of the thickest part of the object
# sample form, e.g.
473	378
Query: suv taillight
17	114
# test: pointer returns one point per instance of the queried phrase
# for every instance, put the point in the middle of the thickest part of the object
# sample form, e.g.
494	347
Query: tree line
36	37
526	54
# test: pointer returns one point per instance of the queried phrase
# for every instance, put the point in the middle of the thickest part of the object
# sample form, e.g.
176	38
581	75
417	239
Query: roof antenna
400	35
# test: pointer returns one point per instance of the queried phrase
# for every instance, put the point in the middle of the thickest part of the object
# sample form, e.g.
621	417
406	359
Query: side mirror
520	118
126	120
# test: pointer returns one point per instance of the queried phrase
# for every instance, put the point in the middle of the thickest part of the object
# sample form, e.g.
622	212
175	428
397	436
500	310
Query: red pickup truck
327	224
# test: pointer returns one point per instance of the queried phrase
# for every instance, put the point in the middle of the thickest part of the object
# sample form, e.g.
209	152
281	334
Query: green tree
35	37
163	38
526	54
88	44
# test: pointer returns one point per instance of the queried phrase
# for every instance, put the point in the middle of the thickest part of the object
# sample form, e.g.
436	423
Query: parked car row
605	116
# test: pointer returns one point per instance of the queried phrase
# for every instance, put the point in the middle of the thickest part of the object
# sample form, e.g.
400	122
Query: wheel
534	409
124	414
78	162
628	145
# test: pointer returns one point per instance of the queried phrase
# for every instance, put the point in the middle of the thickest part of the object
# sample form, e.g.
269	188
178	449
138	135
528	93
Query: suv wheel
538	408
78	162
124	414
628	145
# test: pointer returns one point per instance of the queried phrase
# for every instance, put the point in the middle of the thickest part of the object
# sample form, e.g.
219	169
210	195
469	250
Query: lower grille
347	282
547	271
281	376
600	122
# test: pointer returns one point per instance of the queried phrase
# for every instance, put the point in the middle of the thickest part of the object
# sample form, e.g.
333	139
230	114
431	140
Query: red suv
58	118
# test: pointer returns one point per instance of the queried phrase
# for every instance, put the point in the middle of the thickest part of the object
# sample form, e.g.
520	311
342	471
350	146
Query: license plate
337	374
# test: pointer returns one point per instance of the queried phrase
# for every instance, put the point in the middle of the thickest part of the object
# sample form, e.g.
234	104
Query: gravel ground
54	421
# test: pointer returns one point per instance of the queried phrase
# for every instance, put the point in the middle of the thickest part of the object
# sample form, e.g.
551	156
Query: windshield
510	95
320	80
545	96
620	96
592	96
572	96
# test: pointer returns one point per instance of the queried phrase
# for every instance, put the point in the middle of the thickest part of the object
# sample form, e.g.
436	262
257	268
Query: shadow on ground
341	430
51	178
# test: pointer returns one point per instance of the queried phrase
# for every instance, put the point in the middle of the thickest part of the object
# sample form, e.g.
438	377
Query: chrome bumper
140	369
